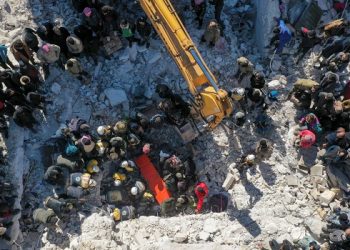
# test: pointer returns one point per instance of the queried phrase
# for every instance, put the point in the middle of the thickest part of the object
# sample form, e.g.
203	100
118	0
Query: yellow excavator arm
213	102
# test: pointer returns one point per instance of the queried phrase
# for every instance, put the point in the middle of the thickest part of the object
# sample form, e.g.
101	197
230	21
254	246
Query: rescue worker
211	34
55	175
245	67
330	84
23	117
74	67
109	20
309	40
257	81
60	35
219	5
144	29
128	32
74	45
91	18
45	32
48	54
199	7
41	215
30	39
124	213
263	149
201	190
21	51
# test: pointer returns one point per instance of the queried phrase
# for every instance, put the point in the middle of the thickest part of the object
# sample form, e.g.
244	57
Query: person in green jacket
128	32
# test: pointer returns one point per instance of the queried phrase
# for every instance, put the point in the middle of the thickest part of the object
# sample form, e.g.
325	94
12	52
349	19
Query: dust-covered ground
262	207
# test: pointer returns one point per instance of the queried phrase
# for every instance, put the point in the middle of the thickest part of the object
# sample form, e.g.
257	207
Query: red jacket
201	196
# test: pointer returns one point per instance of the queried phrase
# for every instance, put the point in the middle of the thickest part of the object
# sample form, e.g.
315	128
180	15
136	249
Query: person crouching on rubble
212	33
124	213
201	190
311	122
305	139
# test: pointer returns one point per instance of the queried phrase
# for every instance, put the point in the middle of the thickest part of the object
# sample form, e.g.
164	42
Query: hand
196	211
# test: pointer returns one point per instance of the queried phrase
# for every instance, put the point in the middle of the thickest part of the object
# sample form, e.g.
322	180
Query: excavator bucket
212	102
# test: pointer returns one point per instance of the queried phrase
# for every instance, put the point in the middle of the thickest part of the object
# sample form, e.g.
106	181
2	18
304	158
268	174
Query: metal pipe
204	69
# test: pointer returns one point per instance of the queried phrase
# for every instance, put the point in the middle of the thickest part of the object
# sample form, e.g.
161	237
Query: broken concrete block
203	236
322	213
155	57
292	180
180	237
321	188
327	197
56	88
116	96
230	178
210	226
314	225
338	193
316	170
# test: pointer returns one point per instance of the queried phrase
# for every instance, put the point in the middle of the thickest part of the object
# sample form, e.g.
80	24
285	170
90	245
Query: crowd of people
101	162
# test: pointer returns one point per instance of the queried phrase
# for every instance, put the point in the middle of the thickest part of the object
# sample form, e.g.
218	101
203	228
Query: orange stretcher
154	181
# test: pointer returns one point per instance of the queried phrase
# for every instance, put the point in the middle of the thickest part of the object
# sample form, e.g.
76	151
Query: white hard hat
250	158
238	91
134	191
101	130
92	183
117	183
124	164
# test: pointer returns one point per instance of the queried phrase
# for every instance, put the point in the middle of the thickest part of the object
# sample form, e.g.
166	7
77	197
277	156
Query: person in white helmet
104	132
246	161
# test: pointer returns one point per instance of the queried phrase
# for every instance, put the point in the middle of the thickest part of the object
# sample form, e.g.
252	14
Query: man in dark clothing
330	84
335	46
60	35
324	104
301	98
90	42
29	38
219	5
23	117
11	79
257	81
309	40
199	7
55	175
175	102
144	29
92	19
339	138
14	97
256	96
36	100
31	71
109	20
45	32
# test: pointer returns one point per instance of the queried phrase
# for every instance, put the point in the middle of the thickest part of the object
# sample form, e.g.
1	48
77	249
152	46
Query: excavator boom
213	102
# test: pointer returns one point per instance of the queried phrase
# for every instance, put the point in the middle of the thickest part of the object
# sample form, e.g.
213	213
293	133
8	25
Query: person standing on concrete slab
199	7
